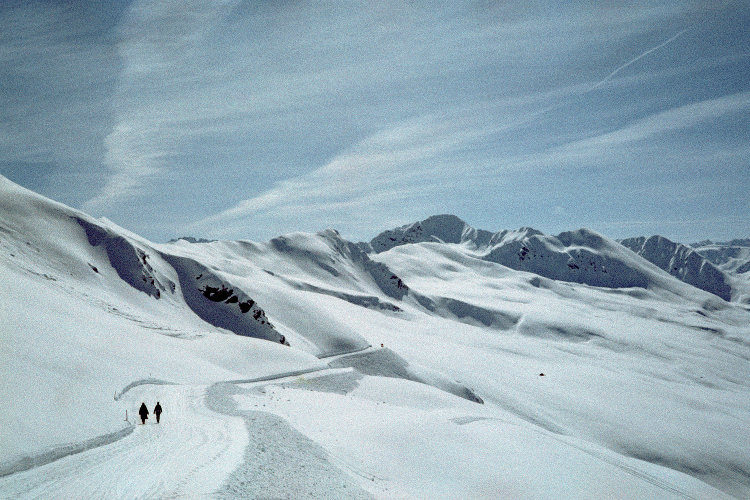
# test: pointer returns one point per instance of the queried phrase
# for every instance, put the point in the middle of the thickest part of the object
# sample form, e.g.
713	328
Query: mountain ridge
683	263
580	256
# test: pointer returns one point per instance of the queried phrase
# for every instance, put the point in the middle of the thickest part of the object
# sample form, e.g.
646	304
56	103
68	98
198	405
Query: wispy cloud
248	119
413	167
56	78
665	122
197	68
382	174
635	59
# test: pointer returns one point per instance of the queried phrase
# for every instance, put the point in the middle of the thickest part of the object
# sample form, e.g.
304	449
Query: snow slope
494	380
79	325
733	258
683	263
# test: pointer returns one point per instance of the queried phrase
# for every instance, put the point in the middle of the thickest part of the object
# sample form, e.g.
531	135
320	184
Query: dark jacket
143	412
157	409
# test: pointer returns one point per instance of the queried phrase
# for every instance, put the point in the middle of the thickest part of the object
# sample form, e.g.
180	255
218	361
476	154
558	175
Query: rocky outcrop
217	302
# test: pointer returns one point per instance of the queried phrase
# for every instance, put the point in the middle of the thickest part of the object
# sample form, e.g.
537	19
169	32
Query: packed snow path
283	438
188	455
194	452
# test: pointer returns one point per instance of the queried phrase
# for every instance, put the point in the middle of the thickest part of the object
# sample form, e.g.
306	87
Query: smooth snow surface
429	370
419	442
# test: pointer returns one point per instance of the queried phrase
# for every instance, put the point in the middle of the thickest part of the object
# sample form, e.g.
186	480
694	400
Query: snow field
678	411
419	442
63	380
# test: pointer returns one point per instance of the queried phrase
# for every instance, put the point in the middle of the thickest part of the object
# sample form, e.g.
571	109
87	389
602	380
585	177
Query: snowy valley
436	361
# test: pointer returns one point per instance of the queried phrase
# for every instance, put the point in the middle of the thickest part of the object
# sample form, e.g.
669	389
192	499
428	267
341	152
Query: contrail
609	77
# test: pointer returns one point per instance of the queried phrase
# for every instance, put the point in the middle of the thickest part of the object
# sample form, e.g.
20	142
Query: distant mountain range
586	257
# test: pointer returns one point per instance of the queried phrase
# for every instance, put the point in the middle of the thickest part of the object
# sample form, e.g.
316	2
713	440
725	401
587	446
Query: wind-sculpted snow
369	301
131	263
328	251
40	458
681	262
468	313
384	278
136	383
386	363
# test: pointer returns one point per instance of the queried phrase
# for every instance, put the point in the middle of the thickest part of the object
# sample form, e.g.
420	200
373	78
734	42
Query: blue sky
249	119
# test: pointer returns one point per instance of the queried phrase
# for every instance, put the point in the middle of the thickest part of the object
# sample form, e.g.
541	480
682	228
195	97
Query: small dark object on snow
143	412
157	411
541	374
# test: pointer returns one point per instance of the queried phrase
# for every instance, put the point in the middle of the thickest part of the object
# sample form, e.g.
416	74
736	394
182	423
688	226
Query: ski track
188	455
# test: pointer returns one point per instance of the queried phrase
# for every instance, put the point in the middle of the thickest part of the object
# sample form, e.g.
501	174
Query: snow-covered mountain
580	256
733	258
683	263
437	361
439	228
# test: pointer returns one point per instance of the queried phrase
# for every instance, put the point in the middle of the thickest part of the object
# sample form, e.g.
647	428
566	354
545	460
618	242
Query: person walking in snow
143	412
157	411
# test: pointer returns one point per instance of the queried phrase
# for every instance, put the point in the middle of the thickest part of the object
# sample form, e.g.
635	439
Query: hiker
157	411
143	412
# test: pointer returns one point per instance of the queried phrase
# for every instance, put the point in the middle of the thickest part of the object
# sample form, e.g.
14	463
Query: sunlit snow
435	362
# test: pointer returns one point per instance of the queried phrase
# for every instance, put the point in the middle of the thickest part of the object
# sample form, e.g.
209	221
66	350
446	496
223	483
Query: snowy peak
451	229
683	263
438	228
581	256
